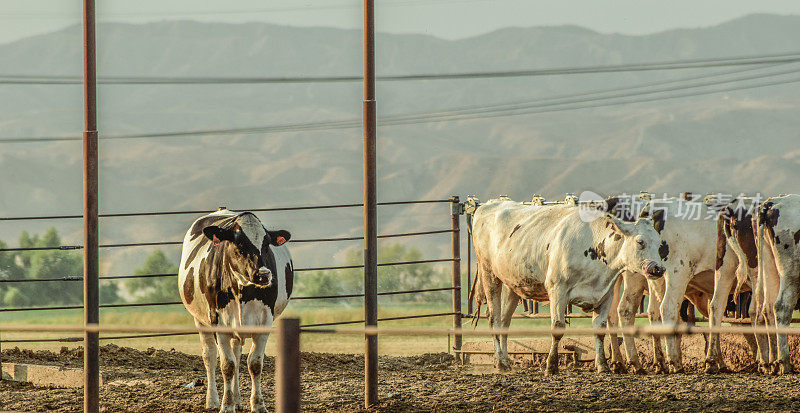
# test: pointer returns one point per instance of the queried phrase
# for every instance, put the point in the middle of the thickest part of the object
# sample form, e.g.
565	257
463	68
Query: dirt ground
153	381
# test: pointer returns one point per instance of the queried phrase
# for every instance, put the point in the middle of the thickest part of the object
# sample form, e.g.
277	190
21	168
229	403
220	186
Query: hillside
741	141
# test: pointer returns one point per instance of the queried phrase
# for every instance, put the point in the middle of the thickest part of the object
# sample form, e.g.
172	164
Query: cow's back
515	241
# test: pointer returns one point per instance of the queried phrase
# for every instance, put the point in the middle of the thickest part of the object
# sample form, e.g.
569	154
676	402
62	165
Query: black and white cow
234	272
551	253
778	241
735	228
697	268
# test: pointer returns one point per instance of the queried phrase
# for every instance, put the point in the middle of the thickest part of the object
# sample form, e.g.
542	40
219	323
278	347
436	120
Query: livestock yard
154	380
325	261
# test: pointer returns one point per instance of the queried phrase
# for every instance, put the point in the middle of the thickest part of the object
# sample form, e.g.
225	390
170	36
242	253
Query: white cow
550	253
234	272
778	235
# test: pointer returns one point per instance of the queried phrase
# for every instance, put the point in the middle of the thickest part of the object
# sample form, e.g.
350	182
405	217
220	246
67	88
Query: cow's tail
477	295
759	234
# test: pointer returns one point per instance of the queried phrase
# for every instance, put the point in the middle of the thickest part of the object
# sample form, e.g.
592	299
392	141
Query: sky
450	19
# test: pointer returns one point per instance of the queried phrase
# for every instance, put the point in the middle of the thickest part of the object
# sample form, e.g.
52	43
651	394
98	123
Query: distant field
328	343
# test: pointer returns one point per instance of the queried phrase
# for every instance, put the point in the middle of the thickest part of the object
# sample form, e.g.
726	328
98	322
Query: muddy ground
153	381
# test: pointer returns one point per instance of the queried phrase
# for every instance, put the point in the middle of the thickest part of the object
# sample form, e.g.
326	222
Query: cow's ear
217	234
617	225
279	237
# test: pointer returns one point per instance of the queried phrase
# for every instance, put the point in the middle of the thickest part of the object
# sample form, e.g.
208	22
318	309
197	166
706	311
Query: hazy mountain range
738	141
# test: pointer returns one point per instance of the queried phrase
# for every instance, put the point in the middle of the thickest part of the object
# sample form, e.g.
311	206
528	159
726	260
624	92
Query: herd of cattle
235	272
551	252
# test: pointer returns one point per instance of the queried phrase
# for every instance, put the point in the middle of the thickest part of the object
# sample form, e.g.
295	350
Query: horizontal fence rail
123	277
646	330
192	212
149	244
134	336
140	333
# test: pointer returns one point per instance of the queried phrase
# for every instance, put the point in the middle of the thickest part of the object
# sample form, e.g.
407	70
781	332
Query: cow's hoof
711	367
784	367
618	367
228	409
765	368
503	365
659	369
259	408
212	404
551	370
675	369
636	369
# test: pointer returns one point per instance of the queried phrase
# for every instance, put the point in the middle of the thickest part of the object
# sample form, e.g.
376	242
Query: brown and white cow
234	272
549	253
778	241
736	228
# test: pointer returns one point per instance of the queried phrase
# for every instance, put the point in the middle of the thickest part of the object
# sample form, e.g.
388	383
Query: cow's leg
724	278
654	315
757	319
509	303
228	366
558	309
494	293
599	321
617	364
210	360
771	279
673	297
627	308
255	364
236	344
784	306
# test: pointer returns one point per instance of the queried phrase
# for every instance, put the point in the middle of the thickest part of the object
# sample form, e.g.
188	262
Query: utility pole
91	310
370	211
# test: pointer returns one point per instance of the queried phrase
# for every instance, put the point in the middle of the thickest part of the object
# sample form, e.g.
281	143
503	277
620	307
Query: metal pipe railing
148	244
190	212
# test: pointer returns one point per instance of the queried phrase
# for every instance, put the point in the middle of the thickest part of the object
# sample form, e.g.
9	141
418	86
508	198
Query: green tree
41	264
318	283
395	277
158	288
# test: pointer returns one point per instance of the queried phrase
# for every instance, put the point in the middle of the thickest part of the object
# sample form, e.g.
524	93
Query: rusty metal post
455	215
370	210
469	264
287	366
91	309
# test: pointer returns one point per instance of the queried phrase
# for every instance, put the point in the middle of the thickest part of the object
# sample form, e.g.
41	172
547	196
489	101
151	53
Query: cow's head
640	245
246	245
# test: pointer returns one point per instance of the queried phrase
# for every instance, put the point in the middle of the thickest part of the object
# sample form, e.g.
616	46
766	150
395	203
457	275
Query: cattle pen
159	380
288	374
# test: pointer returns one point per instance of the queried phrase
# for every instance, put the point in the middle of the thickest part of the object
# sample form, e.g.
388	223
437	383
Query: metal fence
454	210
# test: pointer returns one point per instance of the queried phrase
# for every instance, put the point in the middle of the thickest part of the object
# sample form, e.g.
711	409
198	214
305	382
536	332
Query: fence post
287	366
91	309
455	214
370	210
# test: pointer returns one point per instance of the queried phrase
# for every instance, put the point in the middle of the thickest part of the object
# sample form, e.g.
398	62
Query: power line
633	67
354	6
553	104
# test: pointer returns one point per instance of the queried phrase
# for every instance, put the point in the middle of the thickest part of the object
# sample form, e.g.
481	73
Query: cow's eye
640	243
